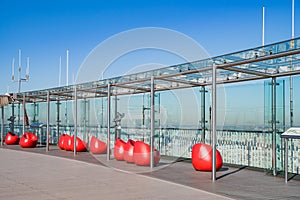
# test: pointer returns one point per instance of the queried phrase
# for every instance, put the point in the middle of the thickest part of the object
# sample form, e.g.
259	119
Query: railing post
58	118
108	122
24	114
274	126
85	121
75	119
117	135
48	121
286	140
203	91
12	128
152	123
214	108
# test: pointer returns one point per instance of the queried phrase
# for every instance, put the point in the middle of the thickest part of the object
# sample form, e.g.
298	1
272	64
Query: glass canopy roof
274	60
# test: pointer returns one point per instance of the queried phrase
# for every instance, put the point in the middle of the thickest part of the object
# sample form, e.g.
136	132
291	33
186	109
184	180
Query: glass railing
237	147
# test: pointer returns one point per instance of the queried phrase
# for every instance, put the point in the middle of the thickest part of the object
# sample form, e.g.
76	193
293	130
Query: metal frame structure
266	62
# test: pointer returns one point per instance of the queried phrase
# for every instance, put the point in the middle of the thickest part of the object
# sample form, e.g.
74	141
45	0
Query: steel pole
2	125
48	121
19	116
152	123
75	120
108	123
116	113
274	126
24	116
84	121
13	117
291	77
203	113
58	117
214	109
291	88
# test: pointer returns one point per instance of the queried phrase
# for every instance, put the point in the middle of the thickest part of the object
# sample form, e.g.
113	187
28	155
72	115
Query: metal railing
238	147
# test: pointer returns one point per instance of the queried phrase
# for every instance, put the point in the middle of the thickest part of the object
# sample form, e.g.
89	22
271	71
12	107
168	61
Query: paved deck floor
35	174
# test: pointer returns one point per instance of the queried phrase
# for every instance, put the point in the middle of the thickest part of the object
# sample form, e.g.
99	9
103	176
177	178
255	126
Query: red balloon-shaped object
119	149
11	138
67	142
128	151
97	146
80	145
141	154
202	157
61	141
28	140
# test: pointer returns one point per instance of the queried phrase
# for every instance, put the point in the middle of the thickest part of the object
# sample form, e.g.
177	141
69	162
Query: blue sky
44	29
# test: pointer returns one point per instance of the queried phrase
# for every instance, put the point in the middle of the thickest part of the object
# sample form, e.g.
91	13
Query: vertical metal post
34	112
19	116
84	120
214	124
286	159
24	114
203	91
291	88
58	117
75	119
291	102
48	121
102	110
13	118
291	77
263	27
116	113
108	123
2	125
152	123
274	126
66	115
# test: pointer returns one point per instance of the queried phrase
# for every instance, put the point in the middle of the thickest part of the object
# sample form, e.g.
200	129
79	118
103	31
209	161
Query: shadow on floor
230	173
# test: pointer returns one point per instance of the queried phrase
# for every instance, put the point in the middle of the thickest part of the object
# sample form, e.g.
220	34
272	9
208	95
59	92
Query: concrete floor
35	174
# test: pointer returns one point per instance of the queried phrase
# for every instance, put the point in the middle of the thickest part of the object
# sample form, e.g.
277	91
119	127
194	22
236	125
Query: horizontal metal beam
180	81
170	77
246	71
259	59
134	88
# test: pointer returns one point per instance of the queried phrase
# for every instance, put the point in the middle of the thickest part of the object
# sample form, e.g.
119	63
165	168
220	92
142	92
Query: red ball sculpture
11	138
141	154
28	140
61	141
119	149
67	142
97	146
80	145
202	157
128	151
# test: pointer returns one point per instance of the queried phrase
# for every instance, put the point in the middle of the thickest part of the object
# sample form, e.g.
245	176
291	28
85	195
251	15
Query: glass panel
280	117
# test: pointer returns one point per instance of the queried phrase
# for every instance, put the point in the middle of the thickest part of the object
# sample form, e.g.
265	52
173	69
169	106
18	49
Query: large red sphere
61	141
97	146
11	138
80	145
119	149
128	151
141	154
67	142
202	157
28	140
